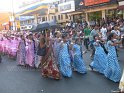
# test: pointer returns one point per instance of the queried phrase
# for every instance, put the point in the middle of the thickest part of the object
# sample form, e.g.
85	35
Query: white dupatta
121	85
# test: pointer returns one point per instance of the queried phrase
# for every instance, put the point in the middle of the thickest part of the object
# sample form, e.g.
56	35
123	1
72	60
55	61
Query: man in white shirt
103	32
118	36
116	31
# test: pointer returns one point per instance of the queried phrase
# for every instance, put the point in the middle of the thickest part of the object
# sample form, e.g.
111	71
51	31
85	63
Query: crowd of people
60	52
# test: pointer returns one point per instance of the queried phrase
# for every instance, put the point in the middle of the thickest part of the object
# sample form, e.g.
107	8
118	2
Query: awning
121	7
42	6
76	13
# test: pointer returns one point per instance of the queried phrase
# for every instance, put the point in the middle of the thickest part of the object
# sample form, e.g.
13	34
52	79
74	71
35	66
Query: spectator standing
86	37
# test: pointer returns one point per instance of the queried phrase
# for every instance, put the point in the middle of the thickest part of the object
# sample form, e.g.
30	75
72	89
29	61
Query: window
21	22
43	19
25	22
66	16
54	17
46	18
58	2
58	17
29	21
61	17
68	0
39	20
62	1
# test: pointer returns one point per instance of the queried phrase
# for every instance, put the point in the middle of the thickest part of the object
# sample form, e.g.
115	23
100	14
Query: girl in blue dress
100	58
64	58
56	46
79	65
113	71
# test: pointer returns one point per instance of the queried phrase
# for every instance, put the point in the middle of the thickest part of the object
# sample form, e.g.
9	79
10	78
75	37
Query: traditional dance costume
79	65
113	71
65	61
100	59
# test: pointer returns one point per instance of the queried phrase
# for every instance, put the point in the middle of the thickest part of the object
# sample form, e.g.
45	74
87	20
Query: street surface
15	79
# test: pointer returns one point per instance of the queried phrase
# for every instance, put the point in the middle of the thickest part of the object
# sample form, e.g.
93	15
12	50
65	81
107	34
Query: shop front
98	9
73	9
94	15
121	7
112	13
66	8
78	14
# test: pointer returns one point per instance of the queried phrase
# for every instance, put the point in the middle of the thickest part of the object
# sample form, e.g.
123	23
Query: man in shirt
94	32
103	32
116	31
118	35
86	37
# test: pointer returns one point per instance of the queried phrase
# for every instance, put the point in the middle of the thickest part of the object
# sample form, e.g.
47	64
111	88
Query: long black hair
110	36
33	42
64	35
55	34
23	39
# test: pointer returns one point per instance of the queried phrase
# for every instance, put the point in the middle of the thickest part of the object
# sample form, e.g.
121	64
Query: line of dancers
61	54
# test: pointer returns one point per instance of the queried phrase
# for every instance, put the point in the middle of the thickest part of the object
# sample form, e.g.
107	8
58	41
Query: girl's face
41	36
68	36
115	28
78	41
42	42
27	37
96	38
48	34
23	38
58	35
30	37
65	39
114	36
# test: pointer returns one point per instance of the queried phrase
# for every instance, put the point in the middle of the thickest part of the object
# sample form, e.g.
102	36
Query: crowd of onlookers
102	26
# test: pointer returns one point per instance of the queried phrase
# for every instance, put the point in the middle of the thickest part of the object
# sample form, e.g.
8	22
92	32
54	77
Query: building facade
41	12
5	21
100	9
63	11
121	7
89	9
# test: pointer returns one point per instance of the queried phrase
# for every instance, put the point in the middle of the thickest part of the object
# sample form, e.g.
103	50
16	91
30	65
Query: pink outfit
30	59
6	46
13	48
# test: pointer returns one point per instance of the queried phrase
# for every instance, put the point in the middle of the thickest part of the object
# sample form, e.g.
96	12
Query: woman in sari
21	54
64	58
41	51
113	70
79	64
30	58
56	46
48	66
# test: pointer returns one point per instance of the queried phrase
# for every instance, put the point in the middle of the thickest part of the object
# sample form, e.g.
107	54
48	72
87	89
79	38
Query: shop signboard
94	2
67	7
23	18
121	3
52	8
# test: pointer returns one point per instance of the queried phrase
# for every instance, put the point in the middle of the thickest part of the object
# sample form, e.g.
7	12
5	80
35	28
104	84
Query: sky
6	5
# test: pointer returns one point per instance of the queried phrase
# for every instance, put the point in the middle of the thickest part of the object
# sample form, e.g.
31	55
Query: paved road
14	79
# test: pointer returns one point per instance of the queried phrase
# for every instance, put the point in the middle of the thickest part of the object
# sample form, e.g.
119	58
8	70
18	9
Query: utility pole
13	16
